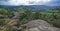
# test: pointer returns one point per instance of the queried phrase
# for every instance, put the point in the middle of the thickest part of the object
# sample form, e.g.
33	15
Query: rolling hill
31	7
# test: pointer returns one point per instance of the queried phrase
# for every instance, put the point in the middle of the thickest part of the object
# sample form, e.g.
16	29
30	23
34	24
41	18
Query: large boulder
40	25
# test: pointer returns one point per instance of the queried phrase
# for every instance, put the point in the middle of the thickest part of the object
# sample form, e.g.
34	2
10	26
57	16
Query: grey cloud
52	3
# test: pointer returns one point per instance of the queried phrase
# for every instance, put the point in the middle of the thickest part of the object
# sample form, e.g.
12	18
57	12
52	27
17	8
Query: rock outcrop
40	25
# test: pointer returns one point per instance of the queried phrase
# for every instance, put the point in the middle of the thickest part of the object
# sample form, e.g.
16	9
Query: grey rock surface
40	25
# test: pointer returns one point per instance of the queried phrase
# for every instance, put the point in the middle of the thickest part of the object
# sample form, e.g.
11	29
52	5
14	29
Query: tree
4	12
58	8
36	15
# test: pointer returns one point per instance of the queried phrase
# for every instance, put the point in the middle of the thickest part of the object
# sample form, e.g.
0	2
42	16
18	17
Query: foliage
26	15
4	11
50	16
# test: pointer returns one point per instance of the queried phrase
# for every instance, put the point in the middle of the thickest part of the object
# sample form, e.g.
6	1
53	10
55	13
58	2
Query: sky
30	2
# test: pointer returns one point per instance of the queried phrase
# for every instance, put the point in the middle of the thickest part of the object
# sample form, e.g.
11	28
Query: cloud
29	2
54	2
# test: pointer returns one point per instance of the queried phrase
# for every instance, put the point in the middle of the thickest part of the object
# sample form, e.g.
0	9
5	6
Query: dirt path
40	25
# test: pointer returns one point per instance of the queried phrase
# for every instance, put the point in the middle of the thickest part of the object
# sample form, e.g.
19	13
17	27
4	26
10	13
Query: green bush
4	11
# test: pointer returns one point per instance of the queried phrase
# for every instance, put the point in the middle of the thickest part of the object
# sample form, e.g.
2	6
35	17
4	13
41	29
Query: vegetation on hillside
25	15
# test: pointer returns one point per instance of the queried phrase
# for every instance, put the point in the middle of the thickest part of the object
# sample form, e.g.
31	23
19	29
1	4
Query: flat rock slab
40	25
34	29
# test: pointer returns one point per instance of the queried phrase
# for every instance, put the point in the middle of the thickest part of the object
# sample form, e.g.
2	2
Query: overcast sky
30	2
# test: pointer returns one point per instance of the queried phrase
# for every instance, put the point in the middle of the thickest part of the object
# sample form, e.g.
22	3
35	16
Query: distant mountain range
32	7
